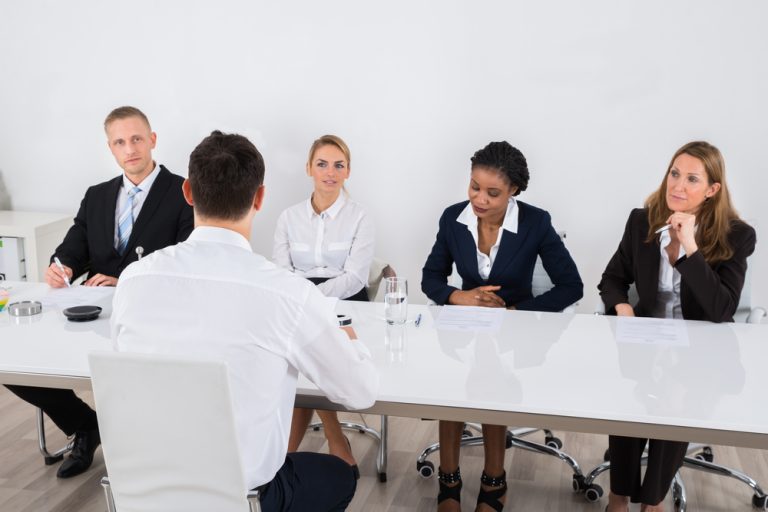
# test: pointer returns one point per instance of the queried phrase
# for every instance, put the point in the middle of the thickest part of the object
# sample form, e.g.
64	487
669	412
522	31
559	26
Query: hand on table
480	296
624	309
101	280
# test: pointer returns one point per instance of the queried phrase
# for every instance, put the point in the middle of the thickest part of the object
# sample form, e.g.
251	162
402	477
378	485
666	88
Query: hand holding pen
683	227
58	275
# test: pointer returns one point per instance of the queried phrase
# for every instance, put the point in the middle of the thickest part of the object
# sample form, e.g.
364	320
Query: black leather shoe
81	456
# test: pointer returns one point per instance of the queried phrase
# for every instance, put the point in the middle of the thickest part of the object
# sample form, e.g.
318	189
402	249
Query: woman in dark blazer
494	241
686	252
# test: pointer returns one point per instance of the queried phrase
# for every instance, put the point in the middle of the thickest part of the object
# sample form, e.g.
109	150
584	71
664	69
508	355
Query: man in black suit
136	213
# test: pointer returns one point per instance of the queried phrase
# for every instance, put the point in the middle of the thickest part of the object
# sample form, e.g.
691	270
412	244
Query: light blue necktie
125	222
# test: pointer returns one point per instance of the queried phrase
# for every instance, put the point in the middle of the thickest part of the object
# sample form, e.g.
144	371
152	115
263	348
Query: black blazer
707	292
165	219
513	266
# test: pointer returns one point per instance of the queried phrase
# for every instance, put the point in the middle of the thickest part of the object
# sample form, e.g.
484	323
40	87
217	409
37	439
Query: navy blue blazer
513	266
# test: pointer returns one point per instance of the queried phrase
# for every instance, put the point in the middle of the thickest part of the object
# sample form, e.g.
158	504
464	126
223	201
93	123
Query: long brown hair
715	215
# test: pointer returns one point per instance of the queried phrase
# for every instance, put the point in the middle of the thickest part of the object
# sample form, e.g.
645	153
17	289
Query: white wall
597	95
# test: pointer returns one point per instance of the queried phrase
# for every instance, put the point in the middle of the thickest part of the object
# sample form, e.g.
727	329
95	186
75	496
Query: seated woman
494	241
329	240
686	252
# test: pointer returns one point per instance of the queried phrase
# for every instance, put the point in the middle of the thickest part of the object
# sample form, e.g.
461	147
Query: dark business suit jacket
165	219
707	292
513	266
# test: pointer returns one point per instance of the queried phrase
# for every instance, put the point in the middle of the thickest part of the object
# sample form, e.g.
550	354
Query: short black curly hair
507	160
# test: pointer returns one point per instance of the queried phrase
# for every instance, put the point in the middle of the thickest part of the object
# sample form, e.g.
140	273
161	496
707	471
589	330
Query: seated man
213	296
142	210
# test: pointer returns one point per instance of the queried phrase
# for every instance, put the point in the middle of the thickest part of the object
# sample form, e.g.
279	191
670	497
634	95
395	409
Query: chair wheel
593	493
705	454
606	455
578	483
677	504
361	431
508	440
49	461
382	477
760	502
553	442
426	469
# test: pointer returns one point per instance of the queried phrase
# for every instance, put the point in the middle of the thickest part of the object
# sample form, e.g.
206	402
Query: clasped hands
481	296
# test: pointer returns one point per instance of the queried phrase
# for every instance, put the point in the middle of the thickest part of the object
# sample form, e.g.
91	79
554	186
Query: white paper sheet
652	331
469	318
78	295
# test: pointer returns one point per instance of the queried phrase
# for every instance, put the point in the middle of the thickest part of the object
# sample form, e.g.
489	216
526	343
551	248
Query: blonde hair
124	113
716	214
330	140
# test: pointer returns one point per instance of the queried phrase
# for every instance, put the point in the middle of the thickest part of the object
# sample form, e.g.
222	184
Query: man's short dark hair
225	171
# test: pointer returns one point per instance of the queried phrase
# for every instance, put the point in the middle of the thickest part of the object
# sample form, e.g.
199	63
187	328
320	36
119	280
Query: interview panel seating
154	410
552	445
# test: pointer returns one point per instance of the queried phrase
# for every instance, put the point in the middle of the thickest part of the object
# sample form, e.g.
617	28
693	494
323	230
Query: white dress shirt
138	198
668	295
337	244
211	296
468	218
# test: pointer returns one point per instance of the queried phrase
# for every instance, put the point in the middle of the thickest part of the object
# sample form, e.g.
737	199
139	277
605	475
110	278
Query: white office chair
153	411
700	457
552	445
378	271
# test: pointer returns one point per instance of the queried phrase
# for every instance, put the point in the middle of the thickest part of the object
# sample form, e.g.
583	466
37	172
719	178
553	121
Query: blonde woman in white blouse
329	240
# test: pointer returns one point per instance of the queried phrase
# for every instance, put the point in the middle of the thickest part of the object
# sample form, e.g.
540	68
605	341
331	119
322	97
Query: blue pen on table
418	319
57	261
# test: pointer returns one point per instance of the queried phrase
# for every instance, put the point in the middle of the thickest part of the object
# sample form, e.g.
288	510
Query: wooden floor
537	483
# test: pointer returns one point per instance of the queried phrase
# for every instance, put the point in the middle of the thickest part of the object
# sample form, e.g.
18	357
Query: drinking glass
395	300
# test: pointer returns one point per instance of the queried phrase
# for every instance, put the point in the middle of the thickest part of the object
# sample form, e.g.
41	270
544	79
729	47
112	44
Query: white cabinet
31	237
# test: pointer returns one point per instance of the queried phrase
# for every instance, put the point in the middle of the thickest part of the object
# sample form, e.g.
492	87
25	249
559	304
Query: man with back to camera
143	209
265	322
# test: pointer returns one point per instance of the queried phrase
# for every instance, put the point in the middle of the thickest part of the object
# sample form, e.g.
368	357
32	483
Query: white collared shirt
468	218
337	244
212	296
138	198
668	295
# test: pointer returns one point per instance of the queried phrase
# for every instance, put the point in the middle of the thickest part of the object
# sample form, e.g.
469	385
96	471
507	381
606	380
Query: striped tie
125	222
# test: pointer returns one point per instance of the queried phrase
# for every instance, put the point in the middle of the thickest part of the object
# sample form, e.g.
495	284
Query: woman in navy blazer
686	252
494	241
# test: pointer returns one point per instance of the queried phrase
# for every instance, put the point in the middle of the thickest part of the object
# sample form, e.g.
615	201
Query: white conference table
559	371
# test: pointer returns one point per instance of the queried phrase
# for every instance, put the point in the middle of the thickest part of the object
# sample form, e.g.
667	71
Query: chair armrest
756	315
254	500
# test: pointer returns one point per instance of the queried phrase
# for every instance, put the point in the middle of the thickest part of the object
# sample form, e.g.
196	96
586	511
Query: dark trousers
360	296
63	406
664	459
308	481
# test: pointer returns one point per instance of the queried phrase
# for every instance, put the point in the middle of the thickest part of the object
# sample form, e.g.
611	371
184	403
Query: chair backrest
744	311
168	433
378	271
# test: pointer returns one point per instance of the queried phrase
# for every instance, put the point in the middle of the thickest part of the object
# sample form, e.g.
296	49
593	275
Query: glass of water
395	300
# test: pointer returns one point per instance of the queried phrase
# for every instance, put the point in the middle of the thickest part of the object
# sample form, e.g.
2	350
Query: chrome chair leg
552	447
254	501
759	498
381	439
108	494
50	458
678	493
